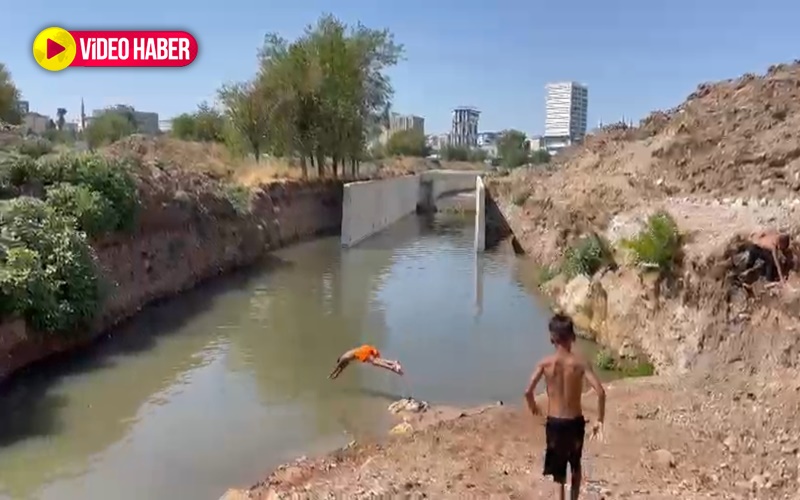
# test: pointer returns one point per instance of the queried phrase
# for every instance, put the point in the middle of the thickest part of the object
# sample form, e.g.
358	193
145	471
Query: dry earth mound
735	142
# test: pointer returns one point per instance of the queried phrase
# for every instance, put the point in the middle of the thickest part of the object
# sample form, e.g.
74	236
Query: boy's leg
576	456
341	364
555	458
575	484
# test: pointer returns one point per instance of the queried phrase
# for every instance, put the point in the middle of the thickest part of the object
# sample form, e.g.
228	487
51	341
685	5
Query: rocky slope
724	164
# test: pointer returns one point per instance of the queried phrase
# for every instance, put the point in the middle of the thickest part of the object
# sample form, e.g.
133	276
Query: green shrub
586	257
47	271
17	169
547	273
111	178
93	212
604	360
639	369
35	147
658	245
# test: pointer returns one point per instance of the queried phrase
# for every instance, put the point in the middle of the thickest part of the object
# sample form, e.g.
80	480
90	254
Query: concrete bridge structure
371	206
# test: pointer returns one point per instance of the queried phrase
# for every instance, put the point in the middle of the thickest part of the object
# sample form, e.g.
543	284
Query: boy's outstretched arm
594	381
529	392
387	364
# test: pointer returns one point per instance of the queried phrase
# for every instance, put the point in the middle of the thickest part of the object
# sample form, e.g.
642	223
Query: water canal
215	387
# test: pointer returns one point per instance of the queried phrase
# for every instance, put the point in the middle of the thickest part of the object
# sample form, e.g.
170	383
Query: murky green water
214	388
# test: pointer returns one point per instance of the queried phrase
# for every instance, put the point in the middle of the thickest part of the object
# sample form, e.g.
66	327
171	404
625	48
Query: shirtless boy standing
564	372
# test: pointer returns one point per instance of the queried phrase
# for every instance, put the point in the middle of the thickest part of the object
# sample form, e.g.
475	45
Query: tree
205	125
540	156
455	153
407	143
249	113
511	149
184	127
107	128
210	123
61	114
325	91
9	98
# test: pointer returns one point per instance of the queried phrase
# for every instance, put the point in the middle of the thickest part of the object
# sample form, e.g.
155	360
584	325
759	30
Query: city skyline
632	65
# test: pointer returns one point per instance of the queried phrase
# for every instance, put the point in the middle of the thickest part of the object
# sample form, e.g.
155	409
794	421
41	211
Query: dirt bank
723	164
178	248
192	225
664	440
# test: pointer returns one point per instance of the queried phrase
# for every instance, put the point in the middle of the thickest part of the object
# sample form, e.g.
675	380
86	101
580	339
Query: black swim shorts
564	446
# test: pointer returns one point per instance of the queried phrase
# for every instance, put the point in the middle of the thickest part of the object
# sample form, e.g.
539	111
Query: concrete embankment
179	244
371	206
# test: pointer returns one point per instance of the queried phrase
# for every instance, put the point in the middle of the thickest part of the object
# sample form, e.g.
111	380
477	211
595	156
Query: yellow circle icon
54	49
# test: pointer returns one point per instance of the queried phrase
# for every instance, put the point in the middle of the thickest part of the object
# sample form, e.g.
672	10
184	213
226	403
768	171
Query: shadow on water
28	405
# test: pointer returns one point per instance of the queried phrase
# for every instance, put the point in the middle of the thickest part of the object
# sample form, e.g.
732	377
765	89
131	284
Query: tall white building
567	104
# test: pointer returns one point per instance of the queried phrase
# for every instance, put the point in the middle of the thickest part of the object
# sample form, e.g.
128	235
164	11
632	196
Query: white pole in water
480	215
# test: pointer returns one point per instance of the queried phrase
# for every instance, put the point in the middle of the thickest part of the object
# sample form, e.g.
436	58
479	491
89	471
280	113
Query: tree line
320	98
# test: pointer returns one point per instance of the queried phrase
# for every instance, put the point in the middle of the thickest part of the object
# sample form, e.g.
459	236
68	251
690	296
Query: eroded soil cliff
193	224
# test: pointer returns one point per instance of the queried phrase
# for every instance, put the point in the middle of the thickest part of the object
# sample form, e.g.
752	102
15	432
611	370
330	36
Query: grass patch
657	247
606	361
35	147
547	273
590	254
240	197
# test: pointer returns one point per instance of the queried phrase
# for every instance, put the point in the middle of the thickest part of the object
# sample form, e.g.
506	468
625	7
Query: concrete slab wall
480	215
371	206
449	181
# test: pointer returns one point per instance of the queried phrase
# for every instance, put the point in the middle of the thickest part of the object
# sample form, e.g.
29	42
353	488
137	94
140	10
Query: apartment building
146	122
464	131
566	109
398	122
35	123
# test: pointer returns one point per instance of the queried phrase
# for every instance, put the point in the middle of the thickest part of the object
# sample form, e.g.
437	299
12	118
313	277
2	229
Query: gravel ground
665	439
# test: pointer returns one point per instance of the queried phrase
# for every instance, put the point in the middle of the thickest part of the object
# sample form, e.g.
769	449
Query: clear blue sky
635	56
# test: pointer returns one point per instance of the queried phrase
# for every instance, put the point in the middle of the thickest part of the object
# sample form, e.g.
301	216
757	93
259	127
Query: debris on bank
409	405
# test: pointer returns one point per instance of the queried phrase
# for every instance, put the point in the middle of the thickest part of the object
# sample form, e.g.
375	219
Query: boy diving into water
565	426
365	354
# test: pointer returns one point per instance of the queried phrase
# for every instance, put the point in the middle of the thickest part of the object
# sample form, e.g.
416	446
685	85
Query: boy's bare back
565	425
563	374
